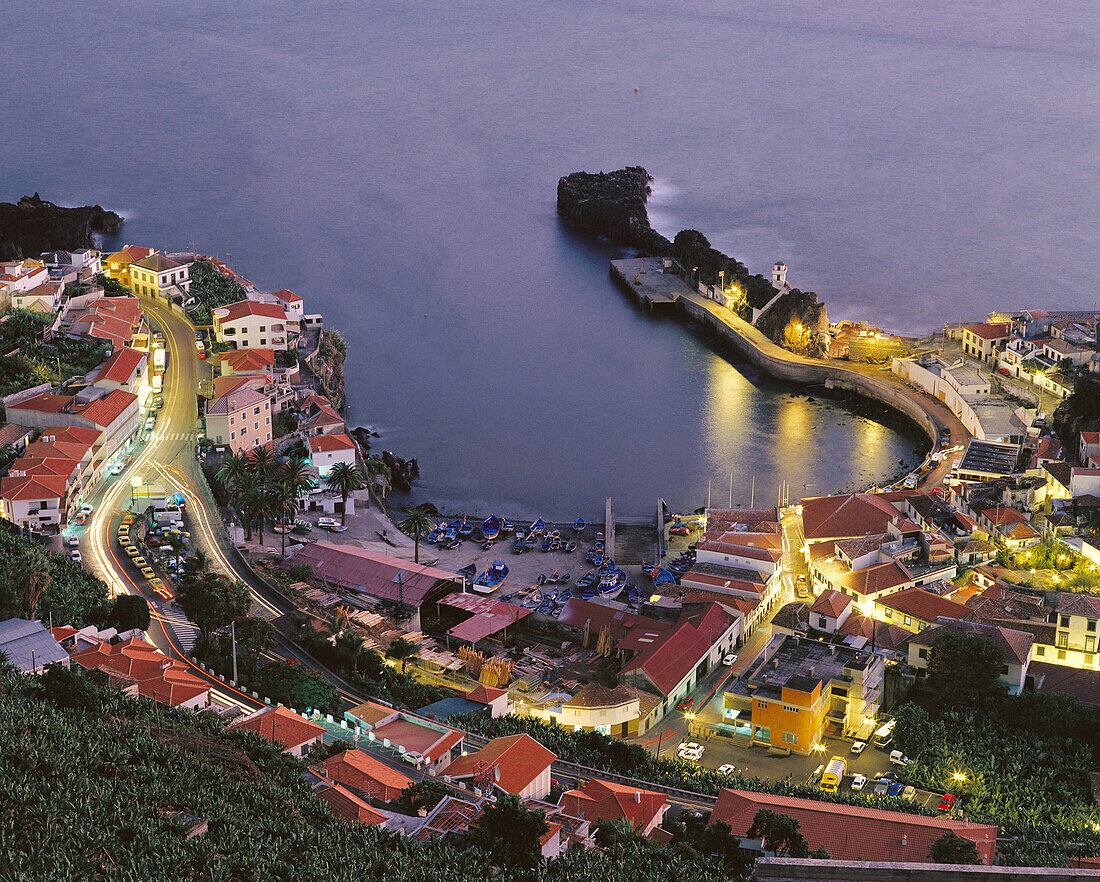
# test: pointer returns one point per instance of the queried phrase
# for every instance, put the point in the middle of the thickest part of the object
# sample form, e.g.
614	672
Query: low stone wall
780	364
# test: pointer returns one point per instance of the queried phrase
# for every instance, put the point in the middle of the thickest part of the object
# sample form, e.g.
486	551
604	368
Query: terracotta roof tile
923	605
366	774
520	759
282	726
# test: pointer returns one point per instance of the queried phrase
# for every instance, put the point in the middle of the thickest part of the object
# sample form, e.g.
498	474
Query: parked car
727	769
898	758
858	783
680	530
881	786
691	751
117	468
685	702
80	519
729	660
412	757
895	789
158	402
858	747
150	422
947	803
75	555
198	335
73	542
818	772
328	522
910	792
800	587
86	509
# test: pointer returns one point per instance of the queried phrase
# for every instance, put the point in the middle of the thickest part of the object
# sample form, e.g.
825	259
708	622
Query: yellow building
622	712
160	276
117	266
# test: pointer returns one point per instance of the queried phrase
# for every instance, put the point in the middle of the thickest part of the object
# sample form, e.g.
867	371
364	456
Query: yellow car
131	550
141	563
124	534
126	521
148	573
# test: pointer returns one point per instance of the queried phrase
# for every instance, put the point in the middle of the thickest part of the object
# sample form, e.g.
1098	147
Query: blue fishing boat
446	535
635	596
490	527
553	580
564	578
532	600
570	546
433	536
492	578
541	579
563	597
545	544
587	579
550	595
507	527
469	571
598	545
579	525
537	527
518	547
612	582
663	578
465	530
530	540
546	607
588	593
487	544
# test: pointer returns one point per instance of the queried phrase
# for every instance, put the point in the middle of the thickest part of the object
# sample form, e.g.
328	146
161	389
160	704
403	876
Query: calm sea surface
396	165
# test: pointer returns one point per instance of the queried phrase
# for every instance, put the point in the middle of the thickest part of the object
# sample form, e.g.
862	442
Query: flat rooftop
989	458
800	663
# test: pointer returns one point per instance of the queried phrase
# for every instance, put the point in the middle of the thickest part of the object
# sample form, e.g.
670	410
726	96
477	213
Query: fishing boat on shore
612	582
587	580
579	525
492	578
538	527
465	530
570	546
490	527
469	571
507	528
517	546
530	540
635	595
563	597
588	593
565	578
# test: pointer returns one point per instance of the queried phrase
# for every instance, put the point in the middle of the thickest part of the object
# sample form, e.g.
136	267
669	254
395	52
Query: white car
727	769
75	555
73	542
116	469
898	758
86	509
328	522
858	747
691	750
859	782
412	758
729	660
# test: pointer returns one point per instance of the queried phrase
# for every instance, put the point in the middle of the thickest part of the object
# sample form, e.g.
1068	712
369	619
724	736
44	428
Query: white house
327	450
252	324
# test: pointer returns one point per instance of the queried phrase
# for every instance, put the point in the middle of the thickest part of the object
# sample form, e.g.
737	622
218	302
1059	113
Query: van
898	758
884	735
834	774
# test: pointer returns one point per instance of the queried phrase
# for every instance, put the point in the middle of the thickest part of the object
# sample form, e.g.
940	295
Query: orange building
795	719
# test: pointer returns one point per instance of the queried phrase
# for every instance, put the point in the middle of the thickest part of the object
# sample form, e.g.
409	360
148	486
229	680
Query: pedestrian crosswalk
186	634
178	436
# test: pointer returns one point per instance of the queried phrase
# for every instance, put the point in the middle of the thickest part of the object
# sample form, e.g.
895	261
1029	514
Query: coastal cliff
327	364
612	205
33	226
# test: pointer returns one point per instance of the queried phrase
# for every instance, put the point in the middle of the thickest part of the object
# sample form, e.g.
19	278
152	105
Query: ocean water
396	165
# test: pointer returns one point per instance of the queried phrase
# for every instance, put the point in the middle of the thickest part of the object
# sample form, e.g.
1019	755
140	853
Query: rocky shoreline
327	364
34	226
612	206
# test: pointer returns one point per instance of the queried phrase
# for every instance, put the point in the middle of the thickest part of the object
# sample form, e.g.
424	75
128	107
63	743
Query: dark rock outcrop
612	205
34	226
402	471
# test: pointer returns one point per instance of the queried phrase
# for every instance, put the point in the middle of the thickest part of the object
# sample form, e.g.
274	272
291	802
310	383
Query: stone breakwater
612	205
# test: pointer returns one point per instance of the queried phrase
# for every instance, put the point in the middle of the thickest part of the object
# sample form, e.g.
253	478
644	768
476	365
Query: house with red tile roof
52	471
328	450
248	361
118	320
124	370
497	700
1088	446
830	610
606	801
117	265
436	745
290	302
854	833
984	341
365	775
35	501
319	417
240	419
515	764
914	609
45	298
1016	648
345	804
253	324
295	734
848	516
145	670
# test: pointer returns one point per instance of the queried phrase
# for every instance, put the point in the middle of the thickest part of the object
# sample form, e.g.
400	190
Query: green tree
298	687
294	474
255	636
423	794
912	730
129	611
953	849
344	479
211	601
963	669
34	576
284	504
67	689
416	523
510	833
232	468
781	833
402	650
379	474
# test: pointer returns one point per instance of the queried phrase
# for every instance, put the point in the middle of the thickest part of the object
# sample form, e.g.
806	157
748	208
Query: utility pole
233	641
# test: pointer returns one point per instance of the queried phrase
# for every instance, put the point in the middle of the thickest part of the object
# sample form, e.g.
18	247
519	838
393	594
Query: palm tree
245	490
284	503
257	506
261	463
344	479
379	474
35	576
416	523
231	470
295	473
